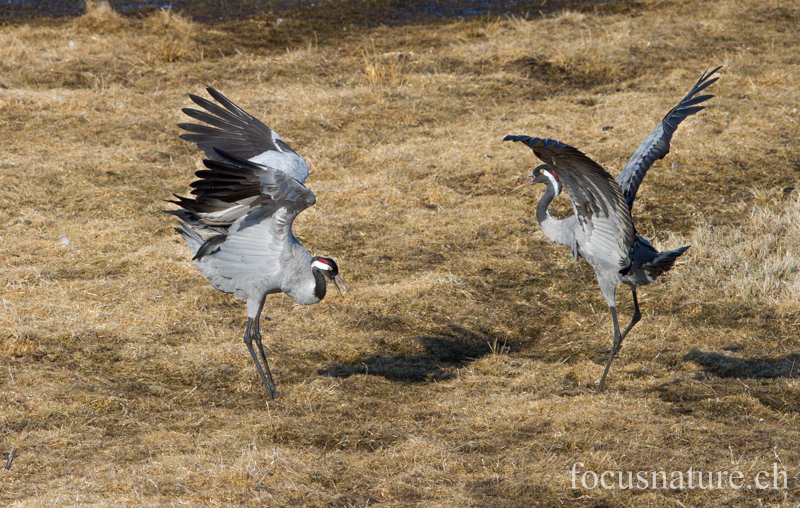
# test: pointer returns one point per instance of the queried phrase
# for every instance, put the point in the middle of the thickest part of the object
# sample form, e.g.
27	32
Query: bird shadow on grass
444	353
719	365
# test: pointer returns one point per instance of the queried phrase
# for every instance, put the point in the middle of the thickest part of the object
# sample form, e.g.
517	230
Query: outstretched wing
233	187
656	144
597	200
233	130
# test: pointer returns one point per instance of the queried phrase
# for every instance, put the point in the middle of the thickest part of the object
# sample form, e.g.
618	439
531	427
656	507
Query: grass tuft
166	20
100	16
382	69
177	33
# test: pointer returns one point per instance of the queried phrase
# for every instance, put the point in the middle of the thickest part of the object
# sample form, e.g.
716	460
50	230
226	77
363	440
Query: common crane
245	203
602	230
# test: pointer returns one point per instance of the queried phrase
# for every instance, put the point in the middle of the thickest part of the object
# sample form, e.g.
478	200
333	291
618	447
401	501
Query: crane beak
529	175
337	280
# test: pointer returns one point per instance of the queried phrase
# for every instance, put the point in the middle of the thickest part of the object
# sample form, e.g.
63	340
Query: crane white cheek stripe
552	180
321	266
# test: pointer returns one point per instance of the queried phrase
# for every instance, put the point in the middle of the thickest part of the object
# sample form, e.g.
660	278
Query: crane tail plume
664	261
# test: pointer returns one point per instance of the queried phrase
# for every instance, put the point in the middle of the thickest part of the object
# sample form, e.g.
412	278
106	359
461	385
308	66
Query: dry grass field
461	368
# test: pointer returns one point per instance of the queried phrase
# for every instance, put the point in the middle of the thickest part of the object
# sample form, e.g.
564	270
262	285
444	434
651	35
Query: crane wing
253	246
254	242
236	132
596	198
233	188
656	145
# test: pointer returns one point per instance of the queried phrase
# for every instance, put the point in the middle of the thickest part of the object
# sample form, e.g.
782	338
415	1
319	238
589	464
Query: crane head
543	174
330	270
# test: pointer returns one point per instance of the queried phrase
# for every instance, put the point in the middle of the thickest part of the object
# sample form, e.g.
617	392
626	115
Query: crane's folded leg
248	340
614	348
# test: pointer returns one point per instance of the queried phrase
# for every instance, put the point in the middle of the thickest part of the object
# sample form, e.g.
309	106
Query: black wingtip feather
700	87
235	159
194	138
227	103
696	100
533	141
210	246
707	74
689	111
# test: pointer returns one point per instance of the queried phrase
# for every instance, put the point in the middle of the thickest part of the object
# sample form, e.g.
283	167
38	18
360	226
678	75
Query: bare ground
461	368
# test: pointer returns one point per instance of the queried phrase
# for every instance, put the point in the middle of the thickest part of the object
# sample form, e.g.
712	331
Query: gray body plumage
246	201
601	231
256	260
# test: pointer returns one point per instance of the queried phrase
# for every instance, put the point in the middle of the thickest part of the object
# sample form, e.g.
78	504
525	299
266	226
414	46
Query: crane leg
614	349
257	337
636	314
248	340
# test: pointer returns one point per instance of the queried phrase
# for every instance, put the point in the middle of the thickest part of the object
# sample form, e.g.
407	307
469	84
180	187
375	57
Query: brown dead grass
460	370
99	16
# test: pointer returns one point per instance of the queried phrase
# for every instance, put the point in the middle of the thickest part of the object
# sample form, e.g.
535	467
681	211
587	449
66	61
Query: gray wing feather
656	144
281	188
596	198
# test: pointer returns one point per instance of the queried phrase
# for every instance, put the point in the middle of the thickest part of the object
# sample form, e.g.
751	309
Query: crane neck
557	231
320	285
542	208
